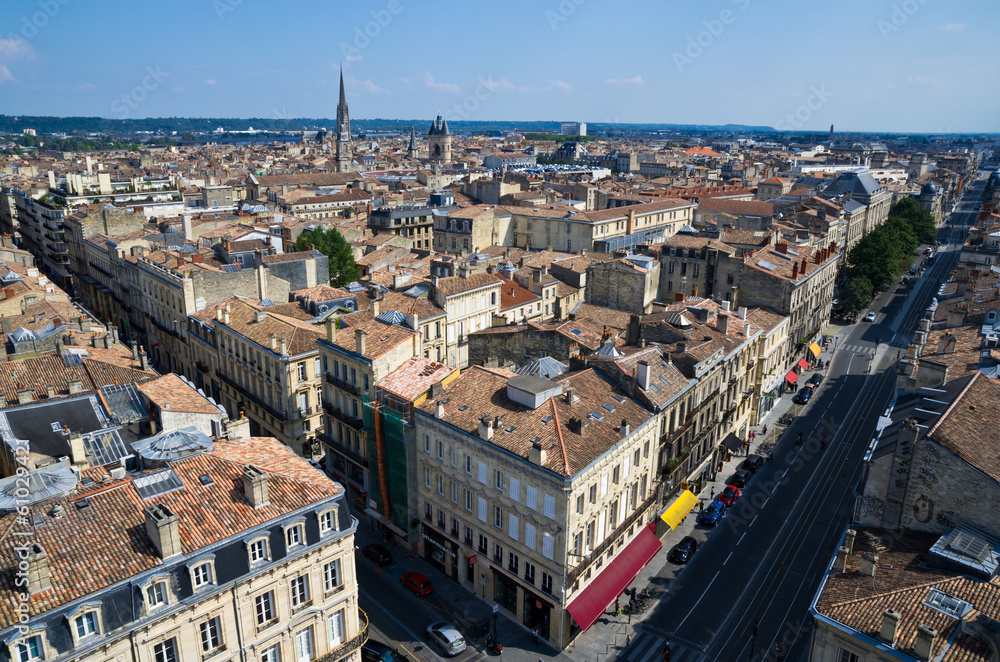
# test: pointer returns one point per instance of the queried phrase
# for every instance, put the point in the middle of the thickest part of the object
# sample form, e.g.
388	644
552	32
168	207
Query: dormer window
259	550
156	595
203	574
85	622
294	536
28	649
327	521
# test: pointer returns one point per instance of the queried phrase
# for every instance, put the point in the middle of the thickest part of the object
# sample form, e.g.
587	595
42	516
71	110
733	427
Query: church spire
343	99
342	138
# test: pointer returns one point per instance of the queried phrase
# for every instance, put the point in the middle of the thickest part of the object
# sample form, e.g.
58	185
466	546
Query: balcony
243	394
637	515
304	412
342	385
354	643
343	417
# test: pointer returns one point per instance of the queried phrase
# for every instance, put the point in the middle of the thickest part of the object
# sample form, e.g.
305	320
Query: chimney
163	529
261	281
956	317
143	359
681	347
722	324
795	271
923	647
849	540
25	395
946	345
890	624
225	315
50	391
359	341
624	428
39	574
331	330
536	454
486	428
439	410
272	341
678	297
77	451
868	563
218	314
571	398
75	385
840	565
741	312
805	266
260	316
283	346
781	247
197	258
84	323
725	306
643	378
255	486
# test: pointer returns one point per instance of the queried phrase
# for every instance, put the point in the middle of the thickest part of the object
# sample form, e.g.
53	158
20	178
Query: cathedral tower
342	139
439	142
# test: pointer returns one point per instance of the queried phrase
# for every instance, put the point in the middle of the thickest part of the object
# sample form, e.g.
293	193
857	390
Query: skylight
654	388
609	408
766	265
463	407
577	332
619	398
596	416
949	604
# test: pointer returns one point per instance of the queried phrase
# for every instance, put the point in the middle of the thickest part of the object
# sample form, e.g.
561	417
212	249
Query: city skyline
884	66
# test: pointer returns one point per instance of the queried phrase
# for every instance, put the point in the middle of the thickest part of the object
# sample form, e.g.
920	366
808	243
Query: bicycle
649	593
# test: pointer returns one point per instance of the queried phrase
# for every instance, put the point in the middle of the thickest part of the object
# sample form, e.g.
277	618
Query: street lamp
753	639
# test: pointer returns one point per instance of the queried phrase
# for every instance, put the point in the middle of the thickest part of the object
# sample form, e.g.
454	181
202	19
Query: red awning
593	600
803	364
791	376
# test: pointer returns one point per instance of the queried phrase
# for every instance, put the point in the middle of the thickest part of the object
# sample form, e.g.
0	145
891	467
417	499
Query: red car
417	583
729	495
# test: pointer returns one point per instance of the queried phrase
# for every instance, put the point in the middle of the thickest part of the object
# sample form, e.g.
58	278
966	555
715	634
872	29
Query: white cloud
15	49
952	27
210	81
429	81
634	80
561	85
354	58
178	89
921	80
6	76
365	85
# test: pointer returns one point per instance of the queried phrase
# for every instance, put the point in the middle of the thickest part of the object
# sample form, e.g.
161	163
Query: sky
862	65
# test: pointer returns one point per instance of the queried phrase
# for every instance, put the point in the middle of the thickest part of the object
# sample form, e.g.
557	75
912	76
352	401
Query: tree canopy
329	242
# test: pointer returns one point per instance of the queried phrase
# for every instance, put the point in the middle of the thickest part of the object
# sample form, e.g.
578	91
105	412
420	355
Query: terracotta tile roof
456	284
105	544
513	295
414	378
666	382
749	237
965	357
616	319
484	393
291	257
301	336
968	427
103	367
170	392
380	337
736	206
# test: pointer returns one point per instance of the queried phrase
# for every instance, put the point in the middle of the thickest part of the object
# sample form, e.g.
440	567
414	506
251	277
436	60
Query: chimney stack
143	359
255	486
283	346
39	574
272	339
849	540
722	324
840	565
439	410
225	315
868	562
890	625
359	341
218	314
77	451
486	428
624	428
536	455
163	529
331	330
795	270
643	377
923	647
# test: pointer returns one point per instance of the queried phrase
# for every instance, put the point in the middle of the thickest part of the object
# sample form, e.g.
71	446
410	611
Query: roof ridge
954	403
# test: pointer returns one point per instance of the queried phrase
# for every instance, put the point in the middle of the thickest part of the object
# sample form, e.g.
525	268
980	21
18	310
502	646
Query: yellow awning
814	348
679	509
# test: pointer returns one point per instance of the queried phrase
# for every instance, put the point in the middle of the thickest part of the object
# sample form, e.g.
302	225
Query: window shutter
529	535
513	526
482	509
550	506
548	545
515	489
482	473
531	497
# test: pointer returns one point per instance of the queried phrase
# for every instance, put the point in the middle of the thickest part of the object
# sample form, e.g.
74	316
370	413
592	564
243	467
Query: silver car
446	638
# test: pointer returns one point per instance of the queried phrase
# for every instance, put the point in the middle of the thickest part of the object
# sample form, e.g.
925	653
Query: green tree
920	220
329	242
856	295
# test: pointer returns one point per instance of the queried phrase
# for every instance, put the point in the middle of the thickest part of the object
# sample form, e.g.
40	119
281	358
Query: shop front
505	591
440	552
536	613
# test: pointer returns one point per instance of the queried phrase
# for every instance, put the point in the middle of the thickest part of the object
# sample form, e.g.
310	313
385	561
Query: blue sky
901	65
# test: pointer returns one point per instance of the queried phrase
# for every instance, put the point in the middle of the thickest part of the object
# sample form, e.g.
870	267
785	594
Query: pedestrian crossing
858	349
647	646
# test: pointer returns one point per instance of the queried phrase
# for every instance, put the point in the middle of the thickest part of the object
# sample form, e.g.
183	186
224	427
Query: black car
683	550
376	651
753	463
377	554
740	478
816	379
803	396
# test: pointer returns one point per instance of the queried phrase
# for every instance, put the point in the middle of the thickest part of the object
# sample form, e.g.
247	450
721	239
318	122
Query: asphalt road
764	563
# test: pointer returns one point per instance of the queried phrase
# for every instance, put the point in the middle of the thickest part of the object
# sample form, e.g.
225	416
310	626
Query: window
270	654
579	505
593	494
616	474
513	526
156	595
85	625
468	500
515	489
468	464
497	553
484	545
577	543
482	509
548	545
302	371
531	497
364	382
264	608
331	575
454	492
304	645
547	583
427	444
468	536
336	625
499	480
529	535
293	535
326	522
428	511
440	450
201	575
165	651
498	517
211	635
604	485
300	590
513	562
31	649
550	506
529	573
427	477
846	656
482	473
440	485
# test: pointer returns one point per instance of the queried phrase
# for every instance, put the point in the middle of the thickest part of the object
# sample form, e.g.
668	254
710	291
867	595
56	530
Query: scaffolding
387	457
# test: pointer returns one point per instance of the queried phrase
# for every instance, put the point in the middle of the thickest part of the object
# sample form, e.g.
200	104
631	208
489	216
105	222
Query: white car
870	317
446	638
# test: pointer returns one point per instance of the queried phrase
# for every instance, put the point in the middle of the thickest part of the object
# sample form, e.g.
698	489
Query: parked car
816	379
713	514
417	583
683	551
729	495
803	396
870	317
446	638
376	651
753	463
377	554
740	478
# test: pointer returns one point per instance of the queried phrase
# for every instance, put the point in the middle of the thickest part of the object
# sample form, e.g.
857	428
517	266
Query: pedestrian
628	640
765	431
618	608
713	491
534	635
701	505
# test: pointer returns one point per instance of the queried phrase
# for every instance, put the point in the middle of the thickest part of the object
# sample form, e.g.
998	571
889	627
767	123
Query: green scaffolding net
393	470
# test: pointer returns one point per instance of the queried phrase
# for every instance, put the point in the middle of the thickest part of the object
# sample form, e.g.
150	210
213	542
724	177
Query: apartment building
136	567
536	493
262	364
689	265
40	224
414	222
471	300
357	351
